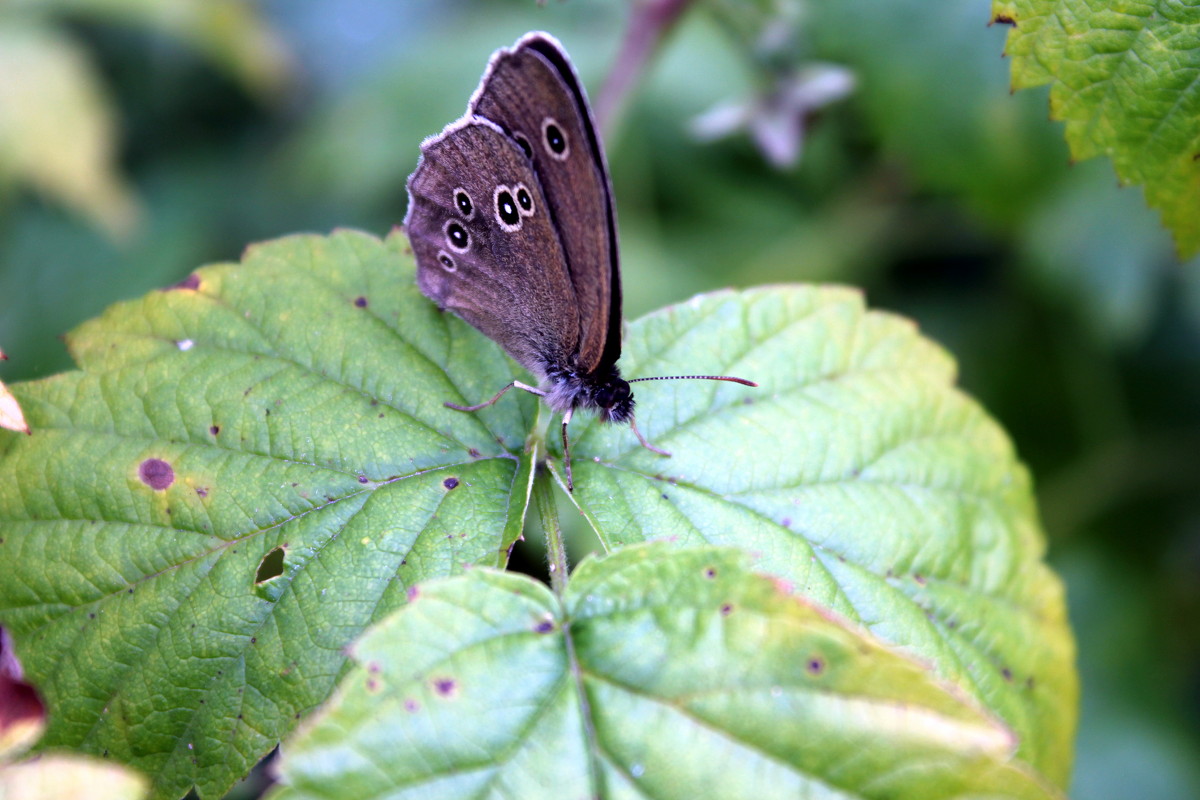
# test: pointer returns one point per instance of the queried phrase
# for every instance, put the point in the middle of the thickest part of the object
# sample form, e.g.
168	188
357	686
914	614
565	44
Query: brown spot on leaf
545	626
726	609
450	483
473	453
411	706
361	302
202	491
446	687
815	665
413	592
1004	19
363	479
710	573
156	473
214	430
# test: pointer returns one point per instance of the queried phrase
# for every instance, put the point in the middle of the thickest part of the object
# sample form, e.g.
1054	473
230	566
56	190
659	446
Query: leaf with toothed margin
858	472
662	672
251	467
1125	78
287	405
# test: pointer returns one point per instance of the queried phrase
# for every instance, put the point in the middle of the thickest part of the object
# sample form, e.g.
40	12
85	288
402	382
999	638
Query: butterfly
513	226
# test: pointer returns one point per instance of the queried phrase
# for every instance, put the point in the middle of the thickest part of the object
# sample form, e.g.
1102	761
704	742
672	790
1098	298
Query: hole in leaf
270	567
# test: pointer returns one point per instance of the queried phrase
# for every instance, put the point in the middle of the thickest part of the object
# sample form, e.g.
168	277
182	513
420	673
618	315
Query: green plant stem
556	548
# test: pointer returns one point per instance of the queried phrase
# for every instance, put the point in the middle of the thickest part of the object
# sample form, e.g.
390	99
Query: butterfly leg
499	394
646	444
567	449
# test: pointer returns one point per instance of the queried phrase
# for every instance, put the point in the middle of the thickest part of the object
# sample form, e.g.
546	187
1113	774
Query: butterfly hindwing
486	247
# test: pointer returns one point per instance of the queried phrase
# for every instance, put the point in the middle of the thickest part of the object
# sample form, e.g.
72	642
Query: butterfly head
605	391
613	399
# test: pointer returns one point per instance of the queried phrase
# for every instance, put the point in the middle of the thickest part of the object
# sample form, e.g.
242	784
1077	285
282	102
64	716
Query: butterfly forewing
532	92
485	246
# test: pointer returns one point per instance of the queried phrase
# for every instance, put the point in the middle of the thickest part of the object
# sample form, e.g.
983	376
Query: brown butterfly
512	222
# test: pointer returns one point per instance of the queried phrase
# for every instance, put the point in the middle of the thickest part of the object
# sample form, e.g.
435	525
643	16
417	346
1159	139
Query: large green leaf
857	472
1125	77
294	401
662	673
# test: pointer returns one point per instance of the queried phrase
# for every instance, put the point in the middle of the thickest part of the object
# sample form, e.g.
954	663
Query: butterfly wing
531	91
486	246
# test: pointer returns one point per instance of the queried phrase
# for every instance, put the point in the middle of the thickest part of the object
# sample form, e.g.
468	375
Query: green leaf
1124	77
857	472
662	673
292	401
252	466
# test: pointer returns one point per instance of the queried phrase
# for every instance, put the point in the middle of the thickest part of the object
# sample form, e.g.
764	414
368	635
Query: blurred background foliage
142	138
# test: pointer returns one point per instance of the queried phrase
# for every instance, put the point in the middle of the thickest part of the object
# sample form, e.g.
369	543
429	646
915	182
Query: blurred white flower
777	121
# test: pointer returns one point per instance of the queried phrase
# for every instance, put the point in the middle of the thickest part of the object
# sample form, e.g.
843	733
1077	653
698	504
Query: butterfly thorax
604	391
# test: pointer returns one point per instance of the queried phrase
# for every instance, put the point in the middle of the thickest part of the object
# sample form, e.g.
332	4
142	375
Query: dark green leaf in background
662	673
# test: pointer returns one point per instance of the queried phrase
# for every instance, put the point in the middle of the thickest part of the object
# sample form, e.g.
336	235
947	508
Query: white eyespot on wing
555	140
525	205
507	212
457	237
463	202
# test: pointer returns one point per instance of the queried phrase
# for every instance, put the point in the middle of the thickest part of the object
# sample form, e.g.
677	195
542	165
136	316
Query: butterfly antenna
742	381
